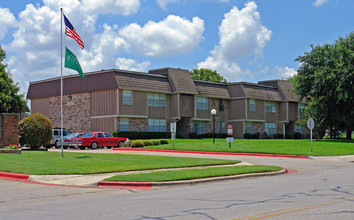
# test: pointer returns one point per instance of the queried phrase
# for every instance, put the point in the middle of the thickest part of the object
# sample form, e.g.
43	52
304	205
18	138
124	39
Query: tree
10	100
325	78
35	131
207	75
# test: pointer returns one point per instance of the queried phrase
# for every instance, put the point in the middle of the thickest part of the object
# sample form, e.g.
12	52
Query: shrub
156	142
288	135
279	136
193	135
297	135
134	135
163	141
35	131
137	143
148	143
255	136
247	136
180	135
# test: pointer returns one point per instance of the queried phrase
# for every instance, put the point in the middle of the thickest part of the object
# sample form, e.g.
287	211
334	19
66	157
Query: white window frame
124	123
201	103
158	125
271	128
249	127
127	97
252	105
222	127
156	100
199	127
270	107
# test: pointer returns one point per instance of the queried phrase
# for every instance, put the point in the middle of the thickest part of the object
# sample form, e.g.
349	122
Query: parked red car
98	139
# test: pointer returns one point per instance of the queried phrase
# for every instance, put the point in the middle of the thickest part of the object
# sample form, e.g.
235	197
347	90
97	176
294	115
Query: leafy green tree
325	78
35	131
207	75
10	100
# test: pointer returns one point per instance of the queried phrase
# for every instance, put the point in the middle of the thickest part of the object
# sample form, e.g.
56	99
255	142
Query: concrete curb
213	153
14	176
149	185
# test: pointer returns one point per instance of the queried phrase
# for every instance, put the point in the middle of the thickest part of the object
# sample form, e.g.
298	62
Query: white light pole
213	113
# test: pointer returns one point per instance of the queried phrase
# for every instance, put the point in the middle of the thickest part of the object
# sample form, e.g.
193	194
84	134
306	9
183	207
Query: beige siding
293	111
157	112
139	106
259	113
40	106
103	124
236	109
174	105
187	104
104	103
282	107
271	117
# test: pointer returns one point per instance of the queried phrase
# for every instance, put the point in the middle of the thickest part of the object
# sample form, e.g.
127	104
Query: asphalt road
323	188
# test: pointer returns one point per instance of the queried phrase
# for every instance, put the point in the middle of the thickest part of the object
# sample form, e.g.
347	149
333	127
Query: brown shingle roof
261	92
288	90
214	90
181	81
143	82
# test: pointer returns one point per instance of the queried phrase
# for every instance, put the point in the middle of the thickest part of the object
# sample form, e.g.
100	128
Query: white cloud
165	38
7	19
123	7
318	3
163	3
241	33
130	64
284	72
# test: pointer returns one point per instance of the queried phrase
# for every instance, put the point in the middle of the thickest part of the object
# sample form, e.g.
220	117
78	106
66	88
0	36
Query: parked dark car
95	140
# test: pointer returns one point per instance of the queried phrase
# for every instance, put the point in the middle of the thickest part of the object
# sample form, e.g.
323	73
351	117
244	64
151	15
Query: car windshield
70	136
87	135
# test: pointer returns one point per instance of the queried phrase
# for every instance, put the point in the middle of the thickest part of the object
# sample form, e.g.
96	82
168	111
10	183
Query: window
301	109
270	107
252	105
202	103
108	135
221	105
270	128
127	97
222	127
157	125
249	128
156	100
87	135
298	128
124	124
199	127
100	135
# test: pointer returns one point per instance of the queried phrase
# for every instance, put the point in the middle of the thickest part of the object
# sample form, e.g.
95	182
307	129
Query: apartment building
119	100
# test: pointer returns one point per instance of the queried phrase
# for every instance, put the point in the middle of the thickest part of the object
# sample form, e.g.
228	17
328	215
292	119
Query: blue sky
242	40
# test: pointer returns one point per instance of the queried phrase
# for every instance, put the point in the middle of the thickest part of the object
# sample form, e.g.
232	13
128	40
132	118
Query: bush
163	141
288	135
137	143
193	135
35	131
180	135
134	135
279	136
156	142
255	136
297	135
148	143
247	136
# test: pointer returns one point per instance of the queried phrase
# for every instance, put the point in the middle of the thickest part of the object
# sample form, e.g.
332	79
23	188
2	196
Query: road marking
280	211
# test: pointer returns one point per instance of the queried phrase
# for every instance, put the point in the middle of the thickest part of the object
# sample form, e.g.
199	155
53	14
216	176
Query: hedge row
295	135
143	143
133	135
194	135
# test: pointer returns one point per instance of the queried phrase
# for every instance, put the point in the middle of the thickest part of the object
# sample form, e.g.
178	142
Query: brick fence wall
9	128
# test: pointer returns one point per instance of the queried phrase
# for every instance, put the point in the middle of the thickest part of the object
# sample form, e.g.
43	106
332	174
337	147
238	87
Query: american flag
71	32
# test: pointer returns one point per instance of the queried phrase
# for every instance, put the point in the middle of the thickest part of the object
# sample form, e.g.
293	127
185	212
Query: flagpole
61	79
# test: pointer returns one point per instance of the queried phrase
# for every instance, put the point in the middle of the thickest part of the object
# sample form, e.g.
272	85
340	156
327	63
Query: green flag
72	62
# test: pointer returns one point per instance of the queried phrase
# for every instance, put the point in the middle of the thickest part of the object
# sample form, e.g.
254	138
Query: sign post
230	133
311	125
173	133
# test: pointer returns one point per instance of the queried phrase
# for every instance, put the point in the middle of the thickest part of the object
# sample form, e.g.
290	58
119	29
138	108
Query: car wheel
65	147
82	148
120	144
56	145
109	147
94	145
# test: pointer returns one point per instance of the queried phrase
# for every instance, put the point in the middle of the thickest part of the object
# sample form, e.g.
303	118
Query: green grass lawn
48	163
173	175
326	147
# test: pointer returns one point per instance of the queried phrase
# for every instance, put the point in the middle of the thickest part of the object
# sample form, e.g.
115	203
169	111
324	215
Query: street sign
173	136
173	127
229	139
229	130
310	123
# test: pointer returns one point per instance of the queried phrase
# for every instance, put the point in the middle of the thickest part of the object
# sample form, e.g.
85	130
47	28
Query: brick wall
9	129
76	112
